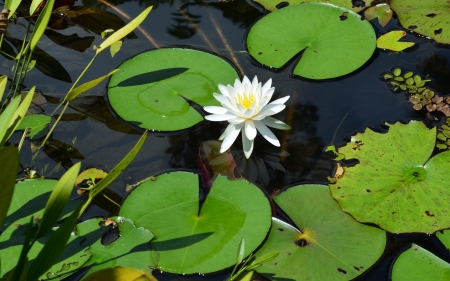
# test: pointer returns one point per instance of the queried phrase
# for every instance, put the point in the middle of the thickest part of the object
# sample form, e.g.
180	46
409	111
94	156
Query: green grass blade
124	31
34	5
3	81
41	24
12	6
16	117
58	200
54	247
6	117
87	86
9	161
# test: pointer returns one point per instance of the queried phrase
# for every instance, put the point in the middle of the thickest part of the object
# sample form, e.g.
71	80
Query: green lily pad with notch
193	239
417	264
131	249
428	18
396	185
36	124
271	5
156	90
335	40
29	199
330	244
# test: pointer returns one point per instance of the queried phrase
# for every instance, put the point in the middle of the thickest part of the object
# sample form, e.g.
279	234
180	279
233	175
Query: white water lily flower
246	107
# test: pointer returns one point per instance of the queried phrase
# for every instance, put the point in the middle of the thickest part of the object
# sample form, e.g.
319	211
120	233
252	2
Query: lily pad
131	249
271	5
335	40
330	244
425	17
36	124
390	41
416	263
193	239
29	199
396	185
159	89
381	11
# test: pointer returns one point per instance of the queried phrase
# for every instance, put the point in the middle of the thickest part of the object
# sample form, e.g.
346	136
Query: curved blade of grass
41	24
34	5
6	117
58	200
87	86
17	113
9	161
124	31
3	81
115	172
12	6
53	248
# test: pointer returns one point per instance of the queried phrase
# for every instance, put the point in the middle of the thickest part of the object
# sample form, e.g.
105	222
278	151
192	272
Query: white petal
236	120
232	92
267	133
219	117
266	96
238	86
215	109
266	86
231	136
255	84
222	99
227	130
271	109
248	113
224	90
281	100
250	130
275	123
247	146
247	84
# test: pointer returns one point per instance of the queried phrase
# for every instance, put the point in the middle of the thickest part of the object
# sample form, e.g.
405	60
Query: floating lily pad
330	244
390	41
36	124
190	239
157	89
131	249
381	11
425	18
416	264
396	185
271	5
29	199
335	40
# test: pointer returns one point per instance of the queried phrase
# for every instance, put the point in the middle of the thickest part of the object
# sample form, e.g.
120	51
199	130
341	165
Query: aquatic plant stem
337	129
66	101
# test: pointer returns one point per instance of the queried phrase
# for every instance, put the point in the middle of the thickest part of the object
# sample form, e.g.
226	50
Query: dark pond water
320	113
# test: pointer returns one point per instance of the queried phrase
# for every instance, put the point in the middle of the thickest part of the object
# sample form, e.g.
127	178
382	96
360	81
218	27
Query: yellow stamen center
246	100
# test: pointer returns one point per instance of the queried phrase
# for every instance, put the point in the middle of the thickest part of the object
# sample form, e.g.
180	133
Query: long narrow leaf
87	86
54	247
34	5
58	200
115	172
124	31
262	260
41	24
240	253
12	6
3	81
17	116
9	161
6	117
